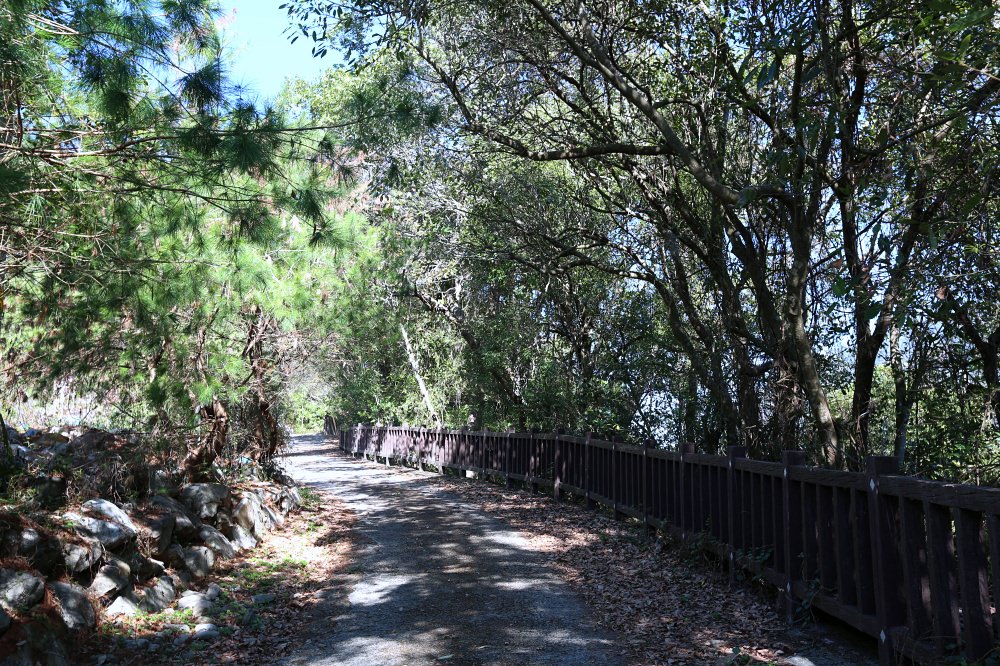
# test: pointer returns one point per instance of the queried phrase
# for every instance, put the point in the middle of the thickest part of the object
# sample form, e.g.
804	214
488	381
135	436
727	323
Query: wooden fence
913	563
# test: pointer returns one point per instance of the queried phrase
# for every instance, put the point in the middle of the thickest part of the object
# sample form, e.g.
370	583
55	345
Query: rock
219	544
187	523
207	635
289	499
159	596
38	644
242	539
160	481
145	568
249	514
199	561
80	557
123	605
102	508
4	621
14	437
205	626
74	607
43	551
265	598
224	521
181	640
197	603
275	519
159	532
19	590
174	555
111	579
50	490
110	534
44	440
213	592
204	498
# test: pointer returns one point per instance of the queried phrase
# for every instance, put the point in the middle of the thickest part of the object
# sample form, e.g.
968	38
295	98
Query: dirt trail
437	580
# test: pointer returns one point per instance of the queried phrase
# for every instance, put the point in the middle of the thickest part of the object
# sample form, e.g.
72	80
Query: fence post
686	450
791	494
646	486
532	462
506	459
587	483
888	605
484	438
557	459
616	484
734	453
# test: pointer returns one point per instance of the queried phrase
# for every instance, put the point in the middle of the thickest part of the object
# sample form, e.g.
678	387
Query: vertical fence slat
994	522
888	602
827	550
791	495
735	452
941	556
973	584
847	591
914	552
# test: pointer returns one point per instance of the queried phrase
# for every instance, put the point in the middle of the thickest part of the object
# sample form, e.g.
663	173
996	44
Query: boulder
204	498
102	508
224	522
110	580
78	557
123	605
20	591
44	440
213	592
174	555
158	532
158	596
4	621
290	498
252	514
186	524
273	517
110	534
142	567
43	551
50	490
160	481
242	539
14	437
75	608
213	539
199	560
196	602
36	644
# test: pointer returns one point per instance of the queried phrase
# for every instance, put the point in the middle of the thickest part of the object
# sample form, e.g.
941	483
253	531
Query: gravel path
436	580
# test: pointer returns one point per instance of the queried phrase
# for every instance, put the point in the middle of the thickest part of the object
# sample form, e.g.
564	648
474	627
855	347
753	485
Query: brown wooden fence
913	563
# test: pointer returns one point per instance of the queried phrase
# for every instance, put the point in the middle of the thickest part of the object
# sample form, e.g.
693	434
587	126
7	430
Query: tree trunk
198	460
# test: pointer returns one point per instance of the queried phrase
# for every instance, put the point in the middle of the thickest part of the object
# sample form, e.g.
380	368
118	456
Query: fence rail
913	563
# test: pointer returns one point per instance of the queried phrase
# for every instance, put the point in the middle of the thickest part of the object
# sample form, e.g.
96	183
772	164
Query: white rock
102	508
74	607
122	606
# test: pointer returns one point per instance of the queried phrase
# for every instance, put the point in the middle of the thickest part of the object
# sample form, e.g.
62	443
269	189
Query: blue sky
261	55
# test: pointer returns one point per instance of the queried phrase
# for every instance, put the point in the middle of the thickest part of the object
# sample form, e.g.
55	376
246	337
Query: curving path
436	581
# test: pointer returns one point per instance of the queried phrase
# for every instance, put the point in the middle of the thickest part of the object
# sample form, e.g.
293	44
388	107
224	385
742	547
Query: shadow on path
436	580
